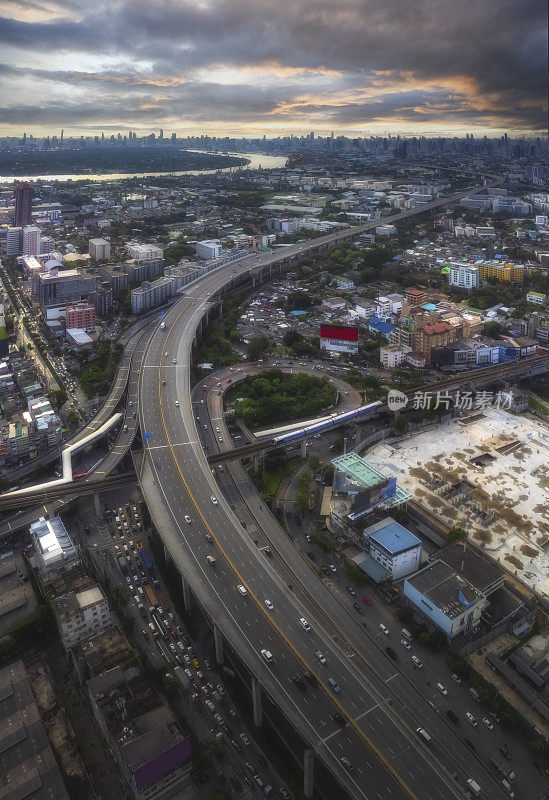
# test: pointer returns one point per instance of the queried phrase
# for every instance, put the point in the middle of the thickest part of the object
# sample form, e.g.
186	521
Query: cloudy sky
273	66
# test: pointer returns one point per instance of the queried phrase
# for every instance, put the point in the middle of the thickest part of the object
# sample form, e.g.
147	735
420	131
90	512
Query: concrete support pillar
220	311
256	701
308	772
304	448
218	642
167	555
186	596
50	510
256	462
97	504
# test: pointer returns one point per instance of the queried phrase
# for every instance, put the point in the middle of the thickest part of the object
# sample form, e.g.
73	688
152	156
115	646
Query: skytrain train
334	419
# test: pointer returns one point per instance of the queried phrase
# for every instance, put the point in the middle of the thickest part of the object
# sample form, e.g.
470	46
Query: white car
417	662
384	630
304	624
442	689
406	644
471	719
214	499
242	589
488	723
174	360
269	605
177	403
188	520
331	566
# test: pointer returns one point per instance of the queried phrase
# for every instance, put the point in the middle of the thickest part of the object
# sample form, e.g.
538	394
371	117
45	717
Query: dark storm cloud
482	62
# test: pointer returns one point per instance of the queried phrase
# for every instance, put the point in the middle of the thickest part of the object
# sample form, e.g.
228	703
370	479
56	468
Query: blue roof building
393	548
376	325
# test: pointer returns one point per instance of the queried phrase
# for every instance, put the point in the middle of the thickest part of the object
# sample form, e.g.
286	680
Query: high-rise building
99	249
31	240
14	241
23	204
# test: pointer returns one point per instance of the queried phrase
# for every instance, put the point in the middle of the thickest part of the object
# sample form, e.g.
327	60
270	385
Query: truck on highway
146	561
424	735
182	678
473	786
159	625
123	564
501	764
151	595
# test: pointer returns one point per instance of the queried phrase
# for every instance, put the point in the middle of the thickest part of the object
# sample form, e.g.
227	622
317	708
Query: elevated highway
180	490
52	500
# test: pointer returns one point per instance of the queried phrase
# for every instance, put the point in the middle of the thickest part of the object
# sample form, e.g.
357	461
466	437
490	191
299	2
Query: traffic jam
164	631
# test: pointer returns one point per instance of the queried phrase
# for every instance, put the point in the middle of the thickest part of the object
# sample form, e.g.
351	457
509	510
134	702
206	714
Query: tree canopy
275	396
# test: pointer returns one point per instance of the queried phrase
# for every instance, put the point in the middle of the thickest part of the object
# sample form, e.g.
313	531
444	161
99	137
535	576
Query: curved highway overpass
196	522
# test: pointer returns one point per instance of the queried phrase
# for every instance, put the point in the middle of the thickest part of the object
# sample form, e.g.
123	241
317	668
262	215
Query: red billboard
339	332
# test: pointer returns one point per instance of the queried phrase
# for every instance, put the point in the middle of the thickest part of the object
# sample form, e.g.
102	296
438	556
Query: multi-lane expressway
390	760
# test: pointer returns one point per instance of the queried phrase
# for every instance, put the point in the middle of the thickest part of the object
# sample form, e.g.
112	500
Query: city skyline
230	69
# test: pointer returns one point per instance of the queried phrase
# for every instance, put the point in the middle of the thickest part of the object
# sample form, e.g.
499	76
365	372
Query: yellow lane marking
388	766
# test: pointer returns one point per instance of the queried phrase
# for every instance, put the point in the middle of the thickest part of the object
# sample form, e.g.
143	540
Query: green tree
493	329
73	420
257	346
59	397
455	534
40	470
399	424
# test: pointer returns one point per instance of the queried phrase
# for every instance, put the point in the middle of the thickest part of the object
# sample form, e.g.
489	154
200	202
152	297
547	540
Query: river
256	160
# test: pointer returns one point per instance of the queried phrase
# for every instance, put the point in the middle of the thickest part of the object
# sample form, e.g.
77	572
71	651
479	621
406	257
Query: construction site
489	474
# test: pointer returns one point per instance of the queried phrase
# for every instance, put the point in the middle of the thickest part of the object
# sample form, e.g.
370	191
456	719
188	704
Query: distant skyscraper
23	204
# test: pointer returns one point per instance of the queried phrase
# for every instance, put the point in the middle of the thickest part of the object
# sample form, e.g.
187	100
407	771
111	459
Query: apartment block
80	615
152	294
207	249
99	249
81	315
464	276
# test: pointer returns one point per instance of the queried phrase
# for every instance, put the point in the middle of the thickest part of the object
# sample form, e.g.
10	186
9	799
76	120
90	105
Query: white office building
99	249
145	252
209	248
393	355
445	598
53	548
393	546
31	240
464	276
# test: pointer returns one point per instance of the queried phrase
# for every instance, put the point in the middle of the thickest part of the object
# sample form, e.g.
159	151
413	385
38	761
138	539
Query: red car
367	601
